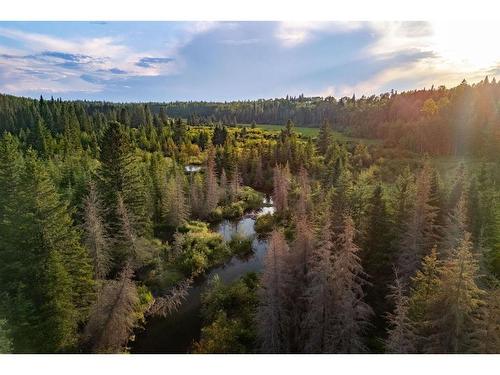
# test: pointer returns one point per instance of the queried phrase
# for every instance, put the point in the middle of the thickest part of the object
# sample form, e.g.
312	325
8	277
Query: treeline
460	121
464	120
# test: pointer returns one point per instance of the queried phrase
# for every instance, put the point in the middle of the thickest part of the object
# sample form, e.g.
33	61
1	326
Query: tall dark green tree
119	174
50	283
324	137
377	257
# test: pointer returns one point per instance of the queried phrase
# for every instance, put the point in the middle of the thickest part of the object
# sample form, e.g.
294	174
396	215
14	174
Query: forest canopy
108	210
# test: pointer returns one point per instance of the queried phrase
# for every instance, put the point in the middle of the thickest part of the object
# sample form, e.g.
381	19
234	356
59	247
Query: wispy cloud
147	62
63	64
241	59
240	42
292	34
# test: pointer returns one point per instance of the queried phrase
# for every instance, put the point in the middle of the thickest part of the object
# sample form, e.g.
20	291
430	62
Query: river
177	332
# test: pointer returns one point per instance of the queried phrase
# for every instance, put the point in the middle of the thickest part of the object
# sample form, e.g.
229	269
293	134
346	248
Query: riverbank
177	332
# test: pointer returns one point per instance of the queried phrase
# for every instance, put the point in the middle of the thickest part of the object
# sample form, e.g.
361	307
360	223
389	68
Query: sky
222	61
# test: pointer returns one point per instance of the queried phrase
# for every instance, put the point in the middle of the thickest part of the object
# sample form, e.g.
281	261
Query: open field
313	132
308	132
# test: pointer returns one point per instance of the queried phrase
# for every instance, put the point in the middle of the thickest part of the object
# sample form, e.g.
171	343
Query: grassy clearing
308	132
313	132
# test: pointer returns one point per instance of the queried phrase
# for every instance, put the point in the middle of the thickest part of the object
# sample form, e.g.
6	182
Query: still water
177	332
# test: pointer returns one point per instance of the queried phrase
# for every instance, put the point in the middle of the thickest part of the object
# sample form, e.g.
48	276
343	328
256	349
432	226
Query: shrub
216	215
240	244
264	224
228	312
252	199
234	210
200	249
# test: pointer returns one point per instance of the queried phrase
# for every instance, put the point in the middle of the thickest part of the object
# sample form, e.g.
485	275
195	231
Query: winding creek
177	332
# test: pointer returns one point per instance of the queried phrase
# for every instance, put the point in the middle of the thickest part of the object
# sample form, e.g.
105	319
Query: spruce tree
273	320
419	237
378	257
51	286
319	292
486	334
324	137
211	185
401	337
351	312
119	174
96	238
425	285
456	227
114	315
281	186
456	304
175	209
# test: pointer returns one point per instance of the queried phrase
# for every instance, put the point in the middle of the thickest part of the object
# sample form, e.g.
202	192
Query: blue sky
166	61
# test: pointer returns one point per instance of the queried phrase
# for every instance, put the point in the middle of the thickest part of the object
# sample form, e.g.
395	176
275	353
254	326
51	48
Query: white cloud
292	34
439	52
55	64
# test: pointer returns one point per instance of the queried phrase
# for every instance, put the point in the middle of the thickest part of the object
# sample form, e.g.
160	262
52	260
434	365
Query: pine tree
211	186
377	257
272	314
456	227
119	174
419	237
403	201
158	176
319	293
324	137
113	317
175	209
196	196
401	338
235	183
224	186
304	199
457	302
352	314
342	199
126	239
425	285
281	186
259	173
96	238
486	334
50	287
299	260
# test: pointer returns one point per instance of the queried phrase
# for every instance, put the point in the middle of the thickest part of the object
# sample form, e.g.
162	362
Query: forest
109	215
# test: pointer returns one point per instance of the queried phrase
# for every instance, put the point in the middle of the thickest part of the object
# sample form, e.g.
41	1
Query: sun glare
467	45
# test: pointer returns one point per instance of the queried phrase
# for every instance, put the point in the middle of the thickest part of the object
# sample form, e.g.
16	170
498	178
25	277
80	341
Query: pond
191	168
177	332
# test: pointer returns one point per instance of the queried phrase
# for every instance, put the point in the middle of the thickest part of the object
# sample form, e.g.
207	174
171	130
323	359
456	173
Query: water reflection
192	168
177	332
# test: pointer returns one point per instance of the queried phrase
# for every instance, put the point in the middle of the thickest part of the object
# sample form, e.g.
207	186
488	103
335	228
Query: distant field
313	132
308	132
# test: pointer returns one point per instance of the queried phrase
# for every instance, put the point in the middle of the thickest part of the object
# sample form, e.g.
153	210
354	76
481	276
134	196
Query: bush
234	210
216	215
164	278
200	249
264	224
252	199
240	244
228	312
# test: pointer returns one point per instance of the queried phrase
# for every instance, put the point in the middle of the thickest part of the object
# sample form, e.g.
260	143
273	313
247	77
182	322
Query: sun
466	45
